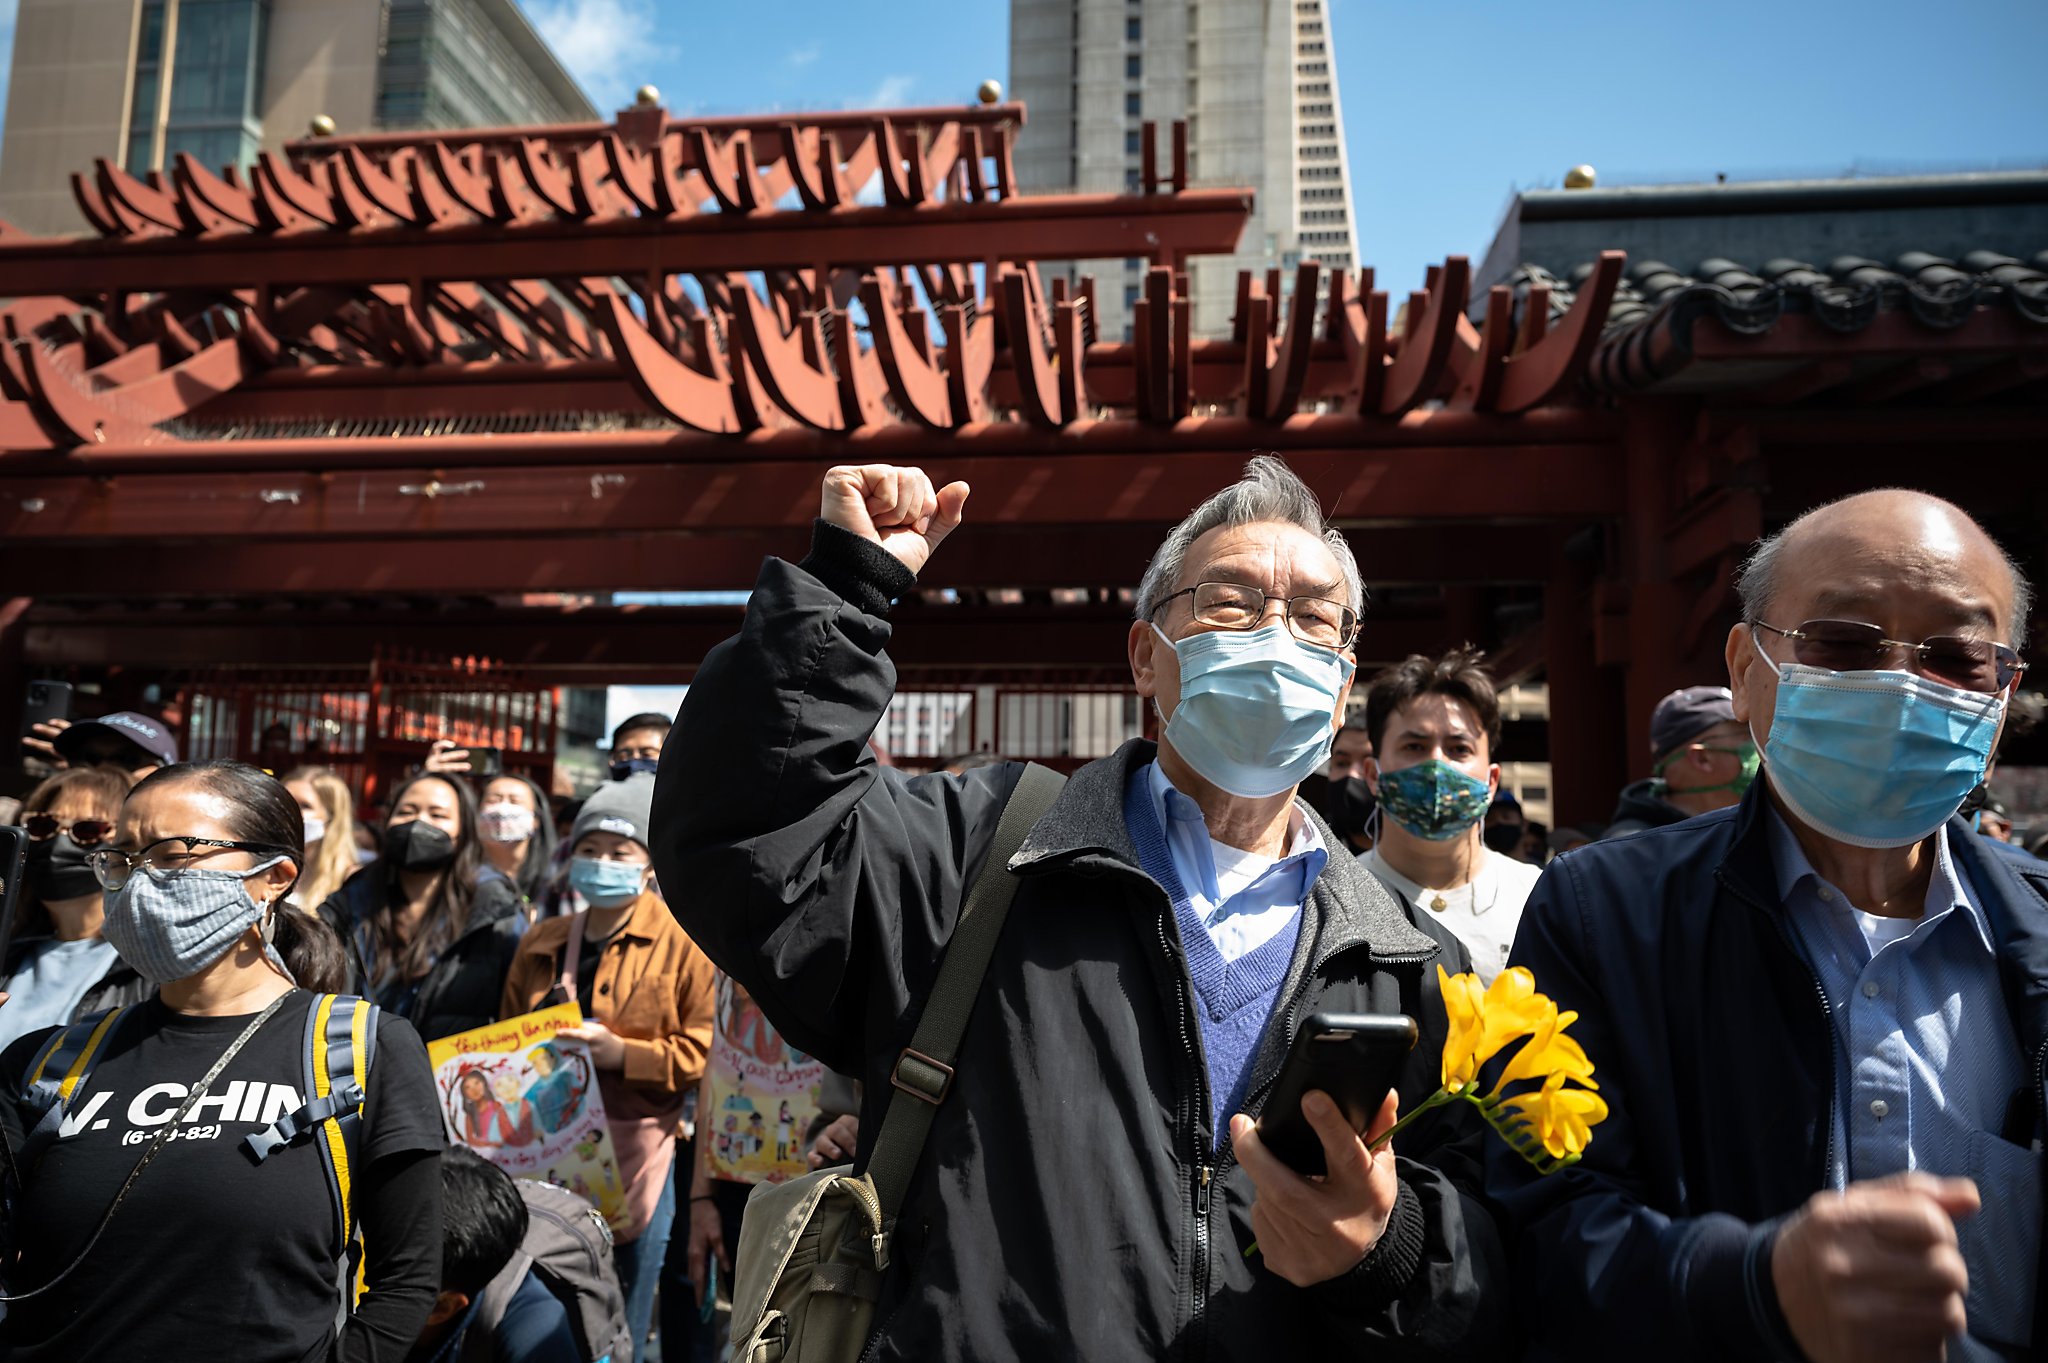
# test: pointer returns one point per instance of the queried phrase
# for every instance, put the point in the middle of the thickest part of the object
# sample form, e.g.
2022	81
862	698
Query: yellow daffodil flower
1562	1118
1482	1024
1549	1051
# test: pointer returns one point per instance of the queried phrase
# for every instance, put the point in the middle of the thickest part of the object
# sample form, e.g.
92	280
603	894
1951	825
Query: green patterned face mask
1751	759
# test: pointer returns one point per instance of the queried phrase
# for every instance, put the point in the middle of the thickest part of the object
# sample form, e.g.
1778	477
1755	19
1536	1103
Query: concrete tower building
1255	81
139	81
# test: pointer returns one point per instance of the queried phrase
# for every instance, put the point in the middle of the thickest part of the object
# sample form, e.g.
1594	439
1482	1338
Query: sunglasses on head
84	832
1854	646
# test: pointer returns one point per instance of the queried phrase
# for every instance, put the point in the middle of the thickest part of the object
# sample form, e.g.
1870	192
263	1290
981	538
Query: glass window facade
448	64
216	72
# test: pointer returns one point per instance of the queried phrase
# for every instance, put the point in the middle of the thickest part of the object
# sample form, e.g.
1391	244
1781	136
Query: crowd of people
1805	955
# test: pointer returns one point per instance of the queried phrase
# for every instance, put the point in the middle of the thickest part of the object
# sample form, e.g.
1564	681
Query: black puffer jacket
1071	1202
464	987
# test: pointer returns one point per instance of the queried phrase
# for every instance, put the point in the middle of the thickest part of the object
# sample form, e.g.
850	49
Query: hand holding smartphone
1355	1058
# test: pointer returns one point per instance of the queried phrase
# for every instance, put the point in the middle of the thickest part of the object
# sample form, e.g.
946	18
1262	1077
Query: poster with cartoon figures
764	1094
525	1098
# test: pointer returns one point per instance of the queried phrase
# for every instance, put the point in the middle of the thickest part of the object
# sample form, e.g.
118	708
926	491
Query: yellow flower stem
1437	1099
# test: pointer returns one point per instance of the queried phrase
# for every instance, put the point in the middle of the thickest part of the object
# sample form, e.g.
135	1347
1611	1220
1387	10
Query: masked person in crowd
60	966
1089	1189
1702	759
136	743
1435	723
431	928
1506	826
1819	1016
636	745
328	808
518	836
1340	793
142	1213
646	994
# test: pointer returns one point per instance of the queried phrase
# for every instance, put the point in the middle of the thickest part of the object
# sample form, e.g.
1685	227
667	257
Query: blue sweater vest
1235	998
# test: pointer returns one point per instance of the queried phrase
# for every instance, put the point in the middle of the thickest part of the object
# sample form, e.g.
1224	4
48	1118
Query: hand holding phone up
1310	1229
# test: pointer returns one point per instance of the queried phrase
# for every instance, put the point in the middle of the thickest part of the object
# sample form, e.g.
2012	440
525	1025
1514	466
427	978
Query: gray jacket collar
1085	827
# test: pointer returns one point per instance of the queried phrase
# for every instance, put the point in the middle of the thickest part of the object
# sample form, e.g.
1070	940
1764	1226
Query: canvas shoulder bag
815	1248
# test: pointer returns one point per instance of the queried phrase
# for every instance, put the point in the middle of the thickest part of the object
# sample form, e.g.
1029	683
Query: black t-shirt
210	1254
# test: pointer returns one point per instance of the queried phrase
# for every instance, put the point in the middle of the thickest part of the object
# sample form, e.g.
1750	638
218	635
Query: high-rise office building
1257	84
141	80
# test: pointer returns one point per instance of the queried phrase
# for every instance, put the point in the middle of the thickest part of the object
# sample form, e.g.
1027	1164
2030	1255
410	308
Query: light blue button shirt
1248	919
1926	1065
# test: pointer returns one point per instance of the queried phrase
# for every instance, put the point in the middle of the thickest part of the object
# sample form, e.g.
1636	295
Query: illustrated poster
764	1094
525	1098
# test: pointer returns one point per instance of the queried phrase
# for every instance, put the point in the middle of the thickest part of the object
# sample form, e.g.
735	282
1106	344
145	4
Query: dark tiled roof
1648	332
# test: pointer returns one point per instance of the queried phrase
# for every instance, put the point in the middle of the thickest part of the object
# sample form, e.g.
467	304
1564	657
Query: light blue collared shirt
1926	1066
1248	917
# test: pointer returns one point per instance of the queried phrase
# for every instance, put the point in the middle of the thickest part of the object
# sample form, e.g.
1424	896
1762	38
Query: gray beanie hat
621	807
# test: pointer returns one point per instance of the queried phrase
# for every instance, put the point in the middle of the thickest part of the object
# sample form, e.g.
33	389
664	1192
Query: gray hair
1269	491
1756	582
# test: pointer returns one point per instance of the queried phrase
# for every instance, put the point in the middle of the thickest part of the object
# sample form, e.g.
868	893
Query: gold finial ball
647	97
1579	177
321	126
991	92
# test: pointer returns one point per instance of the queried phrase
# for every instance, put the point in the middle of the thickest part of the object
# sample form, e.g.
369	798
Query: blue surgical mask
1434	800
1876	759
1255	708
606	884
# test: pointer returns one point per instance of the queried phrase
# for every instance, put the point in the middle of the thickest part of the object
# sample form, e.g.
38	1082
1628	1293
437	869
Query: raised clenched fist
1873	1273
894	507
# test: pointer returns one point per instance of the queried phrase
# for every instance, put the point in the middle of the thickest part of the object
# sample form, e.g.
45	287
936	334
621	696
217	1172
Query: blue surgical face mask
606	884
1876	759
1255	708
1434	800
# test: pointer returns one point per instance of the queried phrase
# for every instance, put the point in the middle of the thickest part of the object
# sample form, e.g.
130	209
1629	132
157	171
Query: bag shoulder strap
340	1044
59	1073
924	1070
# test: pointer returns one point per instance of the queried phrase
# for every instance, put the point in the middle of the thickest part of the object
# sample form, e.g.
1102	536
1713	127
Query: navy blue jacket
1715	1054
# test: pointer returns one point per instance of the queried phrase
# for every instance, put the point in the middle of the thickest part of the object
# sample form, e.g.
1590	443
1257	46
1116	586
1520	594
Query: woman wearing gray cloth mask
432	927
59	966
141	1227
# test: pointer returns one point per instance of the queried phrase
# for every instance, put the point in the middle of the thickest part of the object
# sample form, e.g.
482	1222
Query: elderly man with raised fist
1093	1186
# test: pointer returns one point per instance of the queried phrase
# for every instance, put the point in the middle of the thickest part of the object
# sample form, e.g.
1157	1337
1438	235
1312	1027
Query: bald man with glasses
1821	1017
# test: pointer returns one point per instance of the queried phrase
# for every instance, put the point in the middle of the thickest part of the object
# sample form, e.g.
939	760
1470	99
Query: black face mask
1505	838
634	765
1349	806
56	870
418	846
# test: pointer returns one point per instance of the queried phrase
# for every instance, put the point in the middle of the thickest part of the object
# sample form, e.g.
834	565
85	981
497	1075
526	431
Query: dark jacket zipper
1200	1157
1827	1013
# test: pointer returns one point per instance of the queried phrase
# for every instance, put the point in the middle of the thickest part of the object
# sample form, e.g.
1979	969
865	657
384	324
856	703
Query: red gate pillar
1657	432
1588	765
13	667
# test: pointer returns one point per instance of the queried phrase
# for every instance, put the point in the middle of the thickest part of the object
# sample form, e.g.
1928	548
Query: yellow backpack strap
340	1042
59	1072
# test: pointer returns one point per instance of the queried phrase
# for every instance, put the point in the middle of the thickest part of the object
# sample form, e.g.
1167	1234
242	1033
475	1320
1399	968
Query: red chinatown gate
446	394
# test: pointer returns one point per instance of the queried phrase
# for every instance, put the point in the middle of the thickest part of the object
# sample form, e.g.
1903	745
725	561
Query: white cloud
607	45
892	92
804	56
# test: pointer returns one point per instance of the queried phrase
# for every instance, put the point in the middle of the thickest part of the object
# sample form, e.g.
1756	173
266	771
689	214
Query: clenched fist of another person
1873	1273
893	507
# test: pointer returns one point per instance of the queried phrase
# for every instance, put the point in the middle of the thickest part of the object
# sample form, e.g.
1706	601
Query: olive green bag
813	1250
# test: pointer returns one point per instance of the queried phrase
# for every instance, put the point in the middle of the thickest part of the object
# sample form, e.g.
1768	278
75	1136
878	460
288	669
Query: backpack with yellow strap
339	1045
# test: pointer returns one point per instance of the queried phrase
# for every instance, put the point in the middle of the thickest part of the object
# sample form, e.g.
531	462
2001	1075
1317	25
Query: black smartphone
13	856
45	701
1356	1058
487	762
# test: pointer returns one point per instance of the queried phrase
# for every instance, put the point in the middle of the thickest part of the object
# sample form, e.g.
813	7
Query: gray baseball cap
1684	715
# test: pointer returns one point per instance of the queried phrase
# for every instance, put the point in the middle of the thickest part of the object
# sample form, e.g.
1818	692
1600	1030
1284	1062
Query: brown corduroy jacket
653	987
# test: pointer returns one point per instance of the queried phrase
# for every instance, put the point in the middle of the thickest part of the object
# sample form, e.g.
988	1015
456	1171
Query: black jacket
118	988
1715	1053
1060	1208
465	986
1640	807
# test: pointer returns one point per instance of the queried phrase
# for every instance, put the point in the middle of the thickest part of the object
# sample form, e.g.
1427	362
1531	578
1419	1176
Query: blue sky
1450	105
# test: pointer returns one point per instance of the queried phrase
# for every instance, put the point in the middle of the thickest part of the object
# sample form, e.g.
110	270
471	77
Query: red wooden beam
1066	226
583	558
